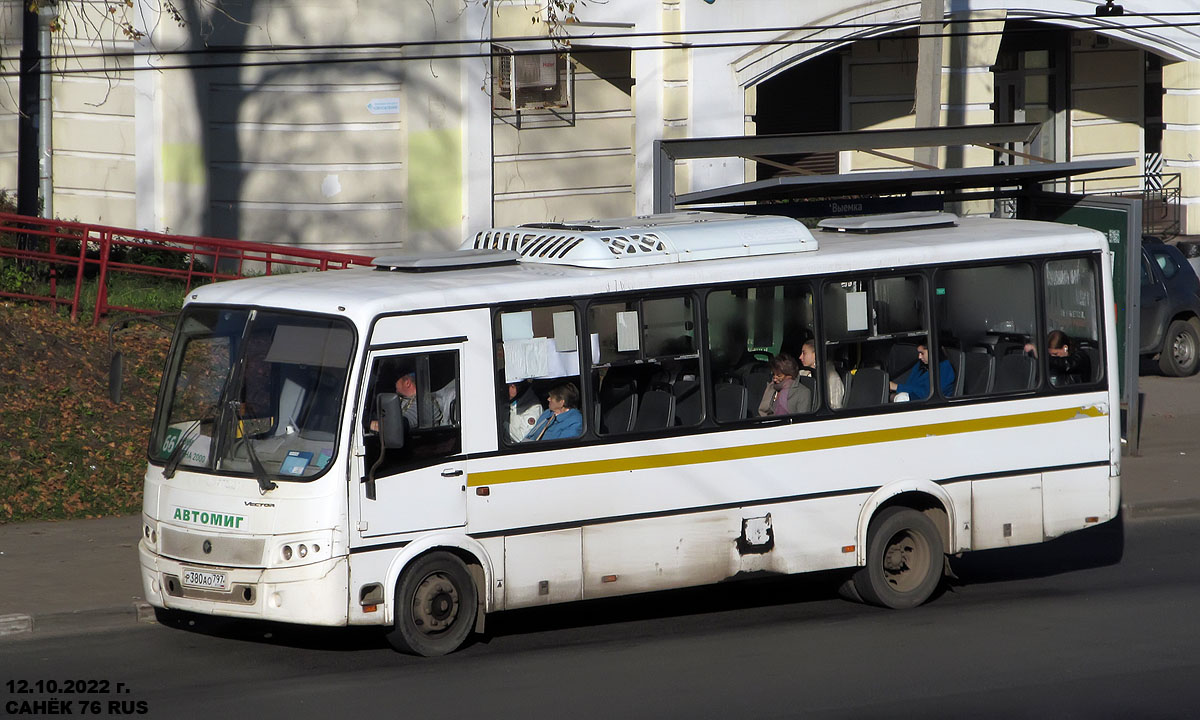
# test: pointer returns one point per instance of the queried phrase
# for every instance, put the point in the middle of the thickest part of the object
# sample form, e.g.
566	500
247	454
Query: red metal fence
66	254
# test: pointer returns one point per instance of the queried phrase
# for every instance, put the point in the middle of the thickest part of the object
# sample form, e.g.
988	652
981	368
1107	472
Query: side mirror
391	421
116	375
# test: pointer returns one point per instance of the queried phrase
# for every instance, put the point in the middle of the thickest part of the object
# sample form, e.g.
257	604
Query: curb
20	625
1179	508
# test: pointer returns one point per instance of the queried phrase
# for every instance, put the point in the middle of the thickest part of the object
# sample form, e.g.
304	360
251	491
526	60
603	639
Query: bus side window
876	332
538	351
986	320
1071	309
750	326
427	385
645	374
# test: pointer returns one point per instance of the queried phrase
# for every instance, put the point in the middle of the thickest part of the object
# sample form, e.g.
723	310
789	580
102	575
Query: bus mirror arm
116	374
116	363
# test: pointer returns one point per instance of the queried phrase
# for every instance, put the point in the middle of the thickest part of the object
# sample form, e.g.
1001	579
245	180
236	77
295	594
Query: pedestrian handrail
1160	194
61	251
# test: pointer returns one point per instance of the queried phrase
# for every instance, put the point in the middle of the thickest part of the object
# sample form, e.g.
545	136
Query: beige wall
362	157
1107	81
880	78
93	127
10	46
549	169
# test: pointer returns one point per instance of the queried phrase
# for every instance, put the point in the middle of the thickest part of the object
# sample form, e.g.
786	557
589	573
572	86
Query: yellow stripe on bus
742	452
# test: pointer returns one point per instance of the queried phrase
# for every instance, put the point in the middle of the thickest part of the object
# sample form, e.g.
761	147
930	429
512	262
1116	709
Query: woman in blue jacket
917	382
563	419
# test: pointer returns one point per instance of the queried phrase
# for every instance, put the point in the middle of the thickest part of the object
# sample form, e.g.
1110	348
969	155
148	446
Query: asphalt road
1050	631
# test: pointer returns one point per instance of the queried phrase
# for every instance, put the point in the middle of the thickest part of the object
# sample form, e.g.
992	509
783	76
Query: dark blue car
1170	316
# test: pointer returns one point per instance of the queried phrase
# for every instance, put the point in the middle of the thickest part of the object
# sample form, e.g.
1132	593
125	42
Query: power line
379	59
220	50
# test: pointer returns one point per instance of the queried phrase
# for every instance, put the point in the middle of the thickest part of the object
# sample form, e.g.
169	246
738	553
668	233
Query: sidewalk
82	575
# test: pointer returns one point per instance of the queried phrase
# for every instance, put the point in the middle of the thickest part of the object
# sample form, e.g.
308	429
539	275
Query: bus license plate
205	579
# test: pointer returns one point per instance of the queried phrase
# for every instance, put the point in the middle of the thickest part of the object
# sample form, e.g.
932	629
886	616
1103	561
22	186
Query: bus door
421	485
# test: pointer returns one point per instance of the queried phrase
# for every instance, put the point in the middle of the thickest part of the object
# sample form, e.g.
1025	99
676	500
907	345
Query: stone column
676	100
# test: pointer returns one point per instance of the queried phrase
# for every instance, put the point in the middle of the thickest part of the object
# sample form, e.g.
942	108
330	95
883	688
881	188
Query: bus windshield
252	392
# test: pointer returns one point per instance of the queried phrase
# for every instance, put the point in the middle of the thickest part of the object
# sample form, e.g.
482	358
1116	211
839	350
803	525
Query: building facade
409	125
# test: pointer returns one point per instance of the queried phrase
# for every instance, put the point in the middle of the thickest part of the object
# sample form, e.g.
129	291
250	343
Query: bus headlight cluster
299	550
150	533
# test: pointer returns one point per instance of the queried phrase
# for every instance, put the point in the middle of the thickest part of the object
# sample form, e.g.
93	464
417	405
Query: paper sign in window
856	311
527	358
565	338
516	326
562	364
627	331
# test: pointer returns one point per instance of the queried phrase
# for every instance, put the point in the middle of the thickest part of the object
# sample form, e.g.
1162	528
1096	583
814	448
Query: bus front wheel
435	606
904	559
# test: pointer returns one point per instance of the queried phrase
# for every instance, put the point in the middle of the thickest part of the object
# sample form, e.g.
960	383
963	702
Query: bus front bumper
313	594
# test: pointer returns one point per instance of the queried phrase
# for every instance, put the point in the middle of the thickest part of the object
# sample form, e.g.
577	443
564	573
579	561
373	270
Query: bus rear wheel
436	602
904	559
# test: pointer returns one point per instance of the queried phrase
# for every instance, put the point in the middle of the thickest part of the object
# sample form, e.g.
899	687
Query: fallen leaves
67	451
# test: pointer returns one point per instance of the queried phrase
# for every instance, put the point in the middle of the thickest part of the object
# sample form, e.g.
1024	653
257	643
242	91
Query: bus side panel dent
661	553
655	554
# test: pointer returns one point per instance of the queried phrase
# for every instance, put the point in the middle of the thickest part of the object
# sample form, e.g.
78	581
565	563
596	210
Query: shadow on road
283	634
1094	547
764	591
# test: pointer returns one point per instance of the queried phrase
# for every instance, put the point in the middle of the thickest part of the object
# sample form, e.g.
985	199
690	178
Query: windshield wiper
265	483
229	421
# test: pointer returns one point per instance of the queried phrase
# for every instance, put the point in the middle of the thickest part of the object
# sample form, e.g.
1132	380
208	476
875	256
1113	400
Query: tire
1181	350
435	606
904	560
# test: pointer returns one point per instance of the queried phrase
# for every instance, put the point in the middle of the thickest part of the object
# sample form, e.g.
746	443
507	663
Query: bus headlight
150	534
299	550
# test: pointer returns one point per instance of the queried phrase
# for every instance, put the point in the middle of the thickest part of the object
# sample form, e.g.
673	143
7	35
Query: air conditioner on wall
536	71
530	81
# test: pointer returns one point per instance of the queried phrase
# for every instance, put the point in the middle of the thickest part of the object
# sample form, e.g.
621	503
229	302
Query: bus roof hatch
648	239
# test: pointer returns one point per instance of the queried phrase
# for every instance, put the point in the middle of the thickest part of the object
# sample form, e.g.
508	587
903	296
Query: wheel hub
435	603
1183	350
905	561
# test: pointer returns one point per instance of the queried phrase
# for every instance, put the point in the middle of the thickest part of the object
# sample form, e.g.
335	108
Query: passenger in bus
784	396
563	419
1068	366
834	387
406	388
916	383
524	408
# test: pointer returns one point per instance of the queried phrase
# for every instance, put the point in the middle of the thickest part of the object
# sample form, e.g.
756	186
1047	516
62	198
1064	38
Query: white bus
560	412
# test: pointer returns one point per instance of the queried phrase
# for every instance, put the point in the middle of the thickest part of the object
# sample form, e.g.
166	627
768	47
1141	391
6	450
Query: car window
1147	273
1166	263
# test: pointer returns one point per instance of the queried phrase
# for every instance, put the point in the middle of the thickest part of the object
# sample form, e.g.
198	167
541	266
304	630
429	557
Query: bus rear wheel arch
904	560
436	603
